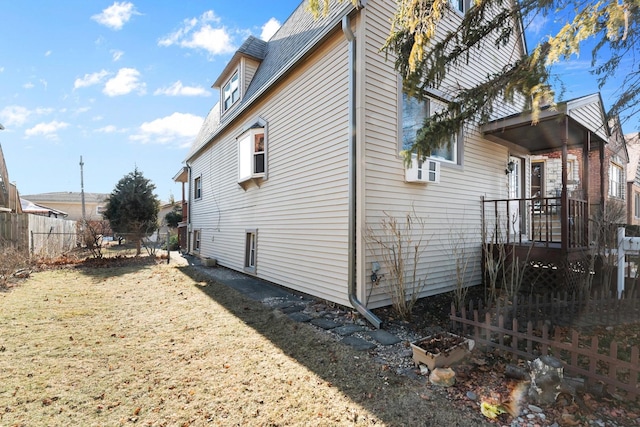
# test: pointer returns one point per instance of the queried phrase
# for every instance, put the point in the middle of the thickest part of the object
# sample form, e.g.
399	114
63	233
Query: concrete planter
440	350
210	262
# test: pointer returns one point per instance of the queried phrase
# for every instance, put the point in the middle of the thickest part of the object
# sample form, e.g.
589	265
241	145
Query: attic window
230	92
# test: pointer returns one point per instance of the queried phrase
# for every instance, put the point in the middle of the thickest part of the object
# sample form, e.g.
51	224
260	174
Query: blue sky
122	84
128	84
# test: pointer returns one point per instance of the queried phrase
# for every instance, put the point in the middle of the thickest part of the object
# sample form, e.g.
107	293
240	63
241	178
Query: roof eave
232	115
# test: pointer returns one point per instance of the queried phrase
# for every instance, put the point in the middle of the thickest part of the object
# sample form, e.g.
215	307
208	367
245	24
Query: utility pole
84	213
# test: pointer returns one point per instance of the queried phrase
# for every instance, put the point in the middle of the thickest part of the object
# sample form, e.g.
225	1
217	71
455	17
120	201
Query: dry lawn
157	345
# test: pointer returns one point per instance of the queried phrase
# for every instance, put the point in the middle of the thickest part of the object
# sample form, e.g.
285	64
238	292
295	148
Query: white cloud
15	115
197	33
126	81
81	110
178	89
47	53
28	85
48	130
116	15
269	29
90	79
116	54
178	127
107	129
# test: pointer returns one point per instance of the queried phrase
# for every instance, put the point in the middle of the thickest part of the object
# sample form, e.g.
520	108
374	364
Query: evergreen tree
425	53
174	217
132	208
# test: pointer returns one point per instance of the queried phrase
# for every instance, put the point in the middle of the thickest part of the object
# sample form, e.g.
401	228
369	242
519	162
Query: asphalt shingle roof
295	38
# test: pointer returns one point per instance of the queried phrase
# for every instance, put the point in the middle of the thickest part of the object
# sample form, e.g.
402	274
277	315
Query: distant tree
174	217
132	208
425	52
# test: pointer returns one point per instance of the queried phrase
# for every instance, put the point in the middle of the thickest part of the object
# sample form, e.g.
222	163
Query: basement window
250	251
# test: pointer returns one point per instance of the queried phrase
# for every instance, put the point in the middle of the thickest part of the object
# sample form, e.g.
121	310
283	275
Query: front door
515	196
537	185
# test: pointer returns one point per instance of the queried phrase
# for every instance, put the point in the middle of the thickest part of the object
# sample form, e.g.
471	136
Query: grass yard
154	344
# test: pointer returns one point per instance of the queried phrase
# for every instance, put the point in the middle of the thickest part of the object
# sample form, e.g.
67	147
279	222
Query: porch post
586	187
564	199
602	180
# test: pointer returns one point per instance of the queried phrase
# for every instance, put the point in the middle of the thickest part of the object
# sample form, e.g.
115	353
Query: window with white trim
230	92
197	187
413	114
461	6
250	250
636	205
252	154
616	181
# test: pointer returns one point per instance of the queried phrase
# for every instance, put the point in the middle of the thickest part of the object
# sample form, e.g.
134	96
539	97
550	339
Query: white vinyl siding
480	173
302	208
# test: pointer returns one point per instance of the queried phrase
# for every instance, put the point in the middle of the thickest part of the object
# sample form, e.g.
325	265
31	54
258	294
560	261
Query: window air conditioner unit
427	170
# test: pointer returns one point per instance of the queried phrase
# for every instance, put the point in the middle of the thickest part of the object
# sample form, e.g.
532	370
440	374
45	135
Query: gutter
361	308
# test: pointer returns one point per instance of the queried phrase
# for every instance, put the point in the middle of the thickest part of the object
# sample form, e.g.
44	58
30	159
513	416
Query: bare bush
94	232
400	244
458	246
11	260
604	240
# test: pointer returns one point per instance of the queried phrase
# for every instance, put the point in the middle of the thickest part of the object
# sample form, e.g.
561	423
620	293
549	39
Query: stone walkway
295	306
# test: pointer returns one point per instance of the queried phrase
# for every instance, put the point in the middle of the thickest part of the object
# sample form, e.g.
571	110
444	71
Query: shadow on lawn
394	399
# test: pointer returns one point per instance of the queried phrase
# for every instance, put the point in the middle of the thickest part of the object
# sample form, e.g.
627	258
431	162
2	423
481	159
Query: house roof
295	39
34	208
252	47
546	135
67	197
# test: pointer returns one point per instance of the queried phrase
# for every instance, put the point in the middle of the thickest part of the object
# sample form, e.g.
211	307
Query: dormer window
230	92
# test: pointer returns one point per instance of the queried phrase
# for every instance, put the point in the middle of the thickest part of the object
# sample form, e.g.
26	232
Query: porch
549	236
551	249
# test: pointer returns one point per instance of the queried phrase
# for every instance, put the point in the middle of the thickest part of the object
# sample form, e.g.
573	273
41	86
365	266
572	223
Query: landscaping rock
444	377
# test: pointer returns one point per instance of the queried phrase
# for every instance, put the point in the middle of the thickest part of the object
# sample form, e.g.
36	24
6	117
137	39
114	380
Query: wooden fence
615	369
563	309
50	237
37	235
14	230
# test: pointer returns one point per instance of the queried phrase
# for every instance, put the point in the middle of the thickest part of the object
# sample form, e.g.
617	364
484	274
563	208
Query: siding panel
451	209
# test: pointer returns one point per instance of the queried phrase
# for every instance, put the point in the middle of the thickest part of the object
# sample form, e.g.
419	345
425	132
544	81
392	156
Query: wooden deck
553	249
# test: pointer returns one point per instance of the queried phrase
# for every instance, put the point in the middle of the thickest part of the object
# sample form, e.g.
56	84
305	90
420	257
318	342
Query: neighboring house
183	241
302	155
633	179
71	203
9	198
164	209
606	186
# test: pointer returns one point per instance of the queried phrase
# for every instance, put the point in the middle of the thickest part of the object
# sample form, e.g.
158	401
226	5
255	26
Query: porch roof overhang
520	132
